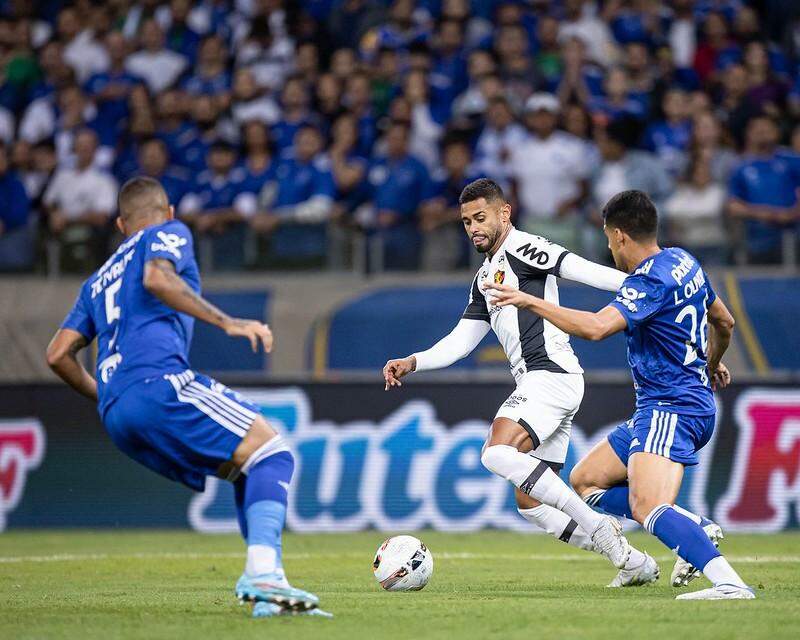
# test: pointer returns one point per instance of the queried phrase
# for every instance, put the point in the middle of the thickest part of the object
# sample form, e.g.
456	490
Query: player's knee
641	506
494	459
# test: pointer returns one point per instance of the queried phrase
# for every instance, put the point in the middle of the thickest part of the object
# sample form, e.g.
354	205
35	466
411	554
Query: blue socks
262	511
681	534
613	500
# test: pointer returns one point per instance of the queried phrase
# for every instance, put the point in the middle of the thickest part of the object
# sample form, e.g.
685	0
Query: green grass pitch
175	585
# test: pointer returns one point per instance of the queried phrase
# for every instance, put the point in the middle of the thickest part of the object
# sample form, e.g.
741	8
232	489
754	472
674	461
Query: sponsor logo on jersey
170	242
21	451
538	256
627	297
514	401
499	276
682	269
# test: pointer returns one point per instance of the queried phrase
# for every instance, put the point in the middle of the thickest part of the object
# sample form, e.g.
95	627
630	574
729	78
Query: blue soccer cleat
273	588
271	610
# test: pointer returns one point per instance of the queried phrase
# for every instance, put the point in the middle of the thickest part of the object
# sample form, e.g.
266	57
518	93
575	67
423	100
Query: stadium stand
337	132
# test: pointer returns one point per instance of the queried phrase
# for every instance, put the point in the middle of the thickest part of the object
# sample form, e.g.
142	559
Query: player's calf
535	478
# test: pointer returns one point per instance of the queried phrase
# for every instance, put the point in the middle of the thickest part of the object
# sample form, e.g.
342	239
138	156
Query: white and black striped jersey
532	264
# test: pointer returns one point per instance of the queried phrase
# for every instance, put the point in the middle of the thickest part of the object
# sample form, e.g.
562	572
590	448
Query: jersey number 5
112	310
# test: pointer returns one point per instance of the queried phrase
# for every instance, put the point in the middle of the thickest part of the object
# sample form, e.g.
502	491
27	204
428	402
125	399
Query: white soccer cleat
684	572
610	541
645	573
720	592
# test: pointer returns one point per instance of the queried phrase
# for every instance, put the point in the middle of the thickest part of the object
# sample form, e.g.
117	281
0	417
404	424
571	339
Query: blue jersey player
677	331
140	306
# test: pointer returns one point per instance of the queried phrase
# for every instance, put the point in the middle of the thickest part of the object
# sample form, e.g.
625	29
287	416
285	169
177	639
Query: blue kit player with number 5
677	330
141	306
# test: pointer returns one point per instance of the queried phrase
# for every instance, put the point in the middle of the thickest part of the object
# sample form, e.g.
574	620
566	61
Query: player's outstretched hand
502	295
396	369
256	332
721	378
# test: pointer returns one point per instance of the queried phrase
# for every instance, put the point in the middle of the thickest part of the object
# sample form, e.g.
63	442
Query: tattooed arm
161	279
62	357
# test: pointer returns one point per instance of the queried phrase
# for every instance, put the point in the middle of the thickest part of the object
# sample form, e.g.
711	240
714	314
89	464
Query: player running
141	305
528	440
677	331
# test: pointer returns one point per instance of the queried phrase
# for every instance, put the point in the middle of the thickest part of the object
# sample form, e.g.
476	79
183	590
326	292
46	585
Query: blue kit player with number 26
677	331
141	306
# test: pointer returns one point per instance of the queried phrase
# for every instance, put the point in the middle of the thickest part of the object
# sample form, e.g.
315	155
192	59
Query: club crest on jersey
499	276
170	242
21	451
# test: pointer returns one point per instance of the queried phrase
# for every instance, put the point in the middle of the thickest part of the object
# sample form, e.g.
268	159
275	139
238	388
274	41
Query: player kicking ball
141	306
677	331
528	439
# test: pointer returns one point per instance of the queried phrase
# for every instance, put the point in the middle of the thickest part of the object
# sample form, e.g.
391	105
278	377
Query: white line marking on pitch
533	557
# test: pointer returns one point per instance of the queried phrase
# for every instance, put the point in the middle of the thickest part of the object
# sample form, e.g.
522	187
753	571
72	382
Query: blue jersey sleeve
639	298
80	317
173	242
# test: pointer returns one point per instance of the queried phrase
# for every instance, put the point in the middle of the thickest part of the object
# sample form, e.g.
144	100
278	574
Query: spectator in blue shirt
763	193
358	98
16	245
348	166
257	166
211	76
180	37
306	189
618	102
445	243
399	182
295	101
210	204
670	137
448	76
153	160
111	89
196	141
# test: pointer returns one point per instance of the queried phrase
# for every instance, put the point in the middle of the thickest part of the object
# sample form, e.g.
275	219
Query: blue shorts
182	426
672	435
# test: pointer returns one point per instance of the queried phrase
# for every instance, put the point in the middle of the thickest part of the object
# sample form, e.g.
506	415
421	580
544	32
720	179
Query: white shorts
544	404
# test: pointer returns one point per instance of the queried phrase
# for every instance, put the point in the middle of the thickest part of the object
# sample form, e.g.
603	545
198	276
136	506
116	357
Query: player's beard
491	240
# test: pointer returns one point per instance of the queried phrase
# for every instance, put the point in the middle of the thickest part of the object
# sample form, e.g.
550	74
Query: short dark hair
141	195
632	212
481	188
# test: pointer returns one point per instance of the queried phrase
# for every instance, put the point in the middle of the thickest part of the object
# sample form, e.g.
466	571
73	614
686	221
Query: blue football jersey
138	336
665	303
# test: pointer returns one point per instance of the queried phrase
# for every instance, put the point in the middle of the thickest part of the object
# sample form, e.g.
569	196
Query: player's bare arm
62	357
720	331
584	324
161	279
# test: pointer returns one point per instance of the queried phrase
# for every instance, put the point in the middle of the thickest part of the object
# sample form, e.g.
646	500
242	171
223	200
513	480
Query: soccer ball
403	563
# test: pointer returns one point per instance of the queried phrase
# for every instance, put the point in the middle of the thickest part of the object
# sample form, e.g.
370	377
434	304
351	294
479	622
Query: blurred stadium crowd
342	131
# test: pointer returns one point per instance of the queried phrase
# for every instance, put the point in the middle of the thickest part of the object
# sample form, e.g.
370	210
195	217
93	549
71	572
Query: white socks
538	480
563	528
719	571
261	559
559	525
